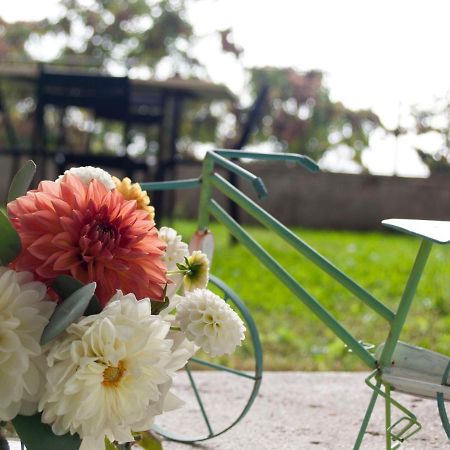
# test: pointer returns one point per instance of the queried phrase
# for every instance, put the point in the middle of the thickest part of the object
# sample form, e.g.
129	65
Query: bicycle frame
210	180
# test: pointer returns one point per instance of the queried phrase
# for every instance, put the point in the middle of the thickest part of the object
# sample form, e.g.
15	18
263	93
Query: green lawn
292	337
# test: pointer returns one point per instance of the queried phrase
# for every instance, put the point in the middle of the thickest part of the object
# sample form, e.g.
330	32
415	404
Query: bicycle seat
432	230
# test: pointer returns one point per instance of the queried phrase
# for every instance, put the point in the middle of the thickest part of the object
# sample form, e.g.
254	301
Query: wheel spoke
239	373
199	400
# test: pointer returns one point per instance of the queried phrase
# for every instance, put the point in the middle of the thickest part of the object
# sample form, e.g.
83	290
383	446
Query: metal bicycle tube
266	219
367	416
220	214
405	303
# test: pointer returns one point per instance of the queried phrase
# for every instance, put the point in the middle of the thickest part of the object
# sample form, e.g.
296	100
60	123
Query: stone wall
338	201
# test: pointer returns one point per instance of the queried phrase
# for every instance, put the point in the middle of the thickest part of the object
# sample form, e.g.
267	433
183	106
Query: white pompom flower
209	322
24	312
88	173
110	373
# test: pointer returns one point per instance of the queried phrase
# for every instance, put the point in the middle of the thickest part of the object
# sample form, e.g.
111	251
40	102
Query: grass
292	337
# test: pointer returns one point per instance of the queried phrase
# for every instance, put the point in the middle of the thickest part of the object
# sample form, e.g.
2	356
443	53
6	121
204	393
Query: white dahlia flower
209	322
89	173
24	313
110	374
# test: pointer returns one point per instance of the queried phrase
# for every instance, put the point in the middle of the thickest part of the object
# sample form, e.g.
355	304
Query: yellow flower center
112	375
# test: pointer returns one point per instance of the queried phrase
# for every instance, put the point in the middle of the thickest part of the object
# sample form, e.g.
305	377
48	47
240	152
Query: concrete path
295	411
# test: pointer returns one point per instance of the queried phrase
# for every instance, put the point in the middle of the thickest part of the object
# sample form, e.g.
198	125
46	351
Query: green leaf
109	445
157	307
65	285
39	436
67	312
10	245
181	267
21	181
148	441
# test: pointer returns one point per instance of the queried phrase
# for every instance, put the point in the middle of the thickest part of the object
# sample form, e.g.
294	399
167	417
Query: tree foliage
112	34
302	118
155	35
434	122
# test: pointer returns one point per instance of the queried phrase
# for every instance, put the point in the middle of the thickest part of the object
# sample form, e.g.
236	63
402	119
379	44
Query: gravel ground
295	410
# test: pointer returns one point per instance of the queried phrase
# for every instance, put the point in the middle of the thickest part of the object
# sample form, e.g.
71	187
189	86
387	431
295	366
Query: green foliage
10	244
123	34
65	285
39	436
68	311
148	441
21	181
292	337
109	445
434	122
301	117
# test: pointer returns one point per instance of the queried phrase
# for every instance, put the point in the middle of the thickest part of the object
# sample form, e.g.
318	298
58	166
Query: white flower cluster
89	173
24	312
176	249
110	373
209	322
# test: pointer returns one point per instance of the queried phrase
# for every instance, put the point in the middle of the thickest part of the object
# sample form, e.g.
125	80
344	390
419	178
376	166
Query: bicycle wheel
206	391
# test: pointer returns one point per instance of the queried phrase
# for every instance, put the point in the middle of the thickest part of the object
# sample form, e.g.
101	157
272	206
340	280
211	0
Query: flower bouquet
98	310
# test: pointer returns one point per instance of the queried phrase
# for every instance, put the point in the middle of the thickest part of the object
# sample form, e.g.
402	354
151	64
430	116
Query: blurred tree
113	34
300	116
13	37
155	36
136	33
434	123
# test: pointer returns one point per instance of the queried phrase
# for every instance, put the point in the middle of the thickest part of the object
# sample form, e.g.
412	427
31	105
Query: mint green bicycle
394	365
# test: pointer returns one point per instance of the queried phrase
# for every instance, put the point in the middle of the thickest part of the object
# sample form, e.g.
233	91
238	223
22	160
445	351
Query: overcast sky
385	55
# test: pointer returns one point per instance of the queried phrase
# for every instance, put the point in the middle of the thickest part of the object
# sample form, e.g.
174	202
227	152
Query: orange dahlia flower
90	233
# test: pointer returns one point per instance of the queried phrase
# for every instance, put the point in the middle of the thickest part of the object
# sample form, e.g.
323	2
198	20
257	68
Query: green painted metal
305	161
223	368
441	403
200	402
405	302
255	181
273	224
400	430
368	414
388	418
239	233
394	432
190	183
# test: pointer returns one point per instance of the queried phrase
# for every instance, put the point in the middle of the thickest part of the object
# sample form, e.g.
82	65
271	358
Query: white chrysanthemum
89	173
111	372
209	322
24	313
176	249
197	276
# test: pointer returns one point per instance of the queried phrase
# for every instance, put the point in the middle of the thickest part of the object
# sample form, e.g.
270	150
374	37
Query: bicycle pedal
399	431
